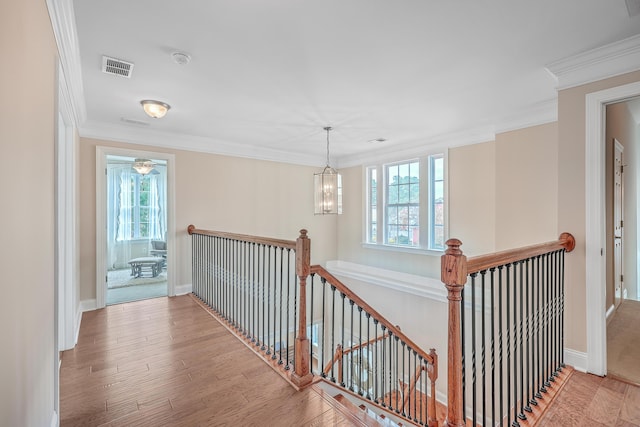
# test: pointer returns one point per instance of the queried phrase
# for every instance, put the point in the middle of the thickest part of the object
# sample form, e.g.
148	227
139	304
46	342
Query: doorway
134	220
596	269
136	229
623	314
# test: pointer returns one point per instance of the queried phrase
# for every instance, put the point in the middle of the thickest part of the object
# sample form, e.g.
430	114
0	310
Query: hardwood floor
167	362
587	400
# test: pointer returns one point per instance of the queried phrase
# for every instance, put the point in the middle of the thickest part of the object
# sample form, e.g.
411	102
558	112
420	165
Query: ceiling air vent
116	66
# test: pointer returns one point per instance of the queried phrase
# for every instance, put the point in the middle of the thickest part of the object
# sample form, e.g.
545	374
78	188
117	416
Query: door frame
595	237
101	218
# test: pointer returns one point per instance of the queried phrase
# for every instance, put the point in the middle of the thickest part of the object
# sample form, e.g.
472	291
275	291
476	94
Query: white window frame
426	215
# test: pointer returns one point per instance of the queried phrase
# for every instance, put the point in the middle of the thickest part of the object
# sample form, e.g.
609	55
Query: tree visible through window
410	204
403	204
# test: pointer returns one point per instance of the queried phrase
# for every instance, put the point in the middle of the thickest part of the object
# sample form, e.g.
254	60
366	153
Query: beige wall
571	199
27	132
502	194
219	193
526	186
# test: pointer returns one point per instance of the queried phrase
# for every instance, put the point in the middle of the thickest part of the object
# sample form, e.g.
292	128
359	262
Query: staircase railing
506	332
373	358
307	323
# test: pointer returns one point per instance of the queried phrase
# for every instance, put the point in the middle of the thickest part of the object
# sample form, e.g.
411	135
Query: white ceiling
267	76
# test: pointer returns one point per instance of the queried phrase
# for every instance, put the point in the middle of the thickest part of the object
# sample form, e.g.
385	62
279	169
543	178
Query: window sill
421	286
393	248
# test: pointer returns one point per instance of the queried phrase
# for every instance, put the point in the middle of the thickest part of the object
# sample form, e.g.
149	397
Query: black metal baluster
401	383
311	322
543	325
383	377
463	347
515	345
396	383
281	311
254	262
483	275
552	319
351	346
333	323
360	366
369	358
287	365
562	365
547	326
323	342
493	349
342	383
500	364
376	361
295	313
474	407
529	377
508	324
520	287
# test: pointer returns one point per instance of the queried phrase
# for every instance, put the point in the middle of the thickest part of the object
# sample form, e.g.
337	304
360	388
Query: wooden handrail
484	262
455	268
287	244
332	280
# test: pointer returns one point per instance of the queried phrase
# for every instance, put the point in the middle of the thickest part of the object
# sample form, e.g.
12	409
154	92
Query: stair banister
454	276
301	374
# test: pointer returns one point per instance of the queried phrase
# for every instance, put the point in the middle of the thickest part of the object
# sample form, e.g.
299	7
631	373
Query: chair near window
159	249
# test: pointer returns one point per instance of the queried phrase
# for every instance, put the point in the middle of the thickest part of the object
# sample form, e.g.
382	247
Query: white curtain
157	203
118	215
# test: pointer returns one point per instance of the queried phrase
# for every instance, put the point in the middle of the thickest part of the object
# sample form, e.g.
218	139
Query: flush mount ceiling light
143	166
327	188
155	109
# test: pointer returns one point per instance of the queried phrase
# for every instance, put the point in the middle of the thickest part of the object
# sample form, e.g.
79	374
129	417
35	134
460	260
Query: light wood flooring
623	342
590	401
167	362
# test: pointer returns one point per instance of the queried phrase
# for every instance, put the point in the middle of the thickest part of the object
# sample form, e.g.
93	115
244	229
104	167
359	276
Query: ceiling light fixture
327	188
143	166
155	109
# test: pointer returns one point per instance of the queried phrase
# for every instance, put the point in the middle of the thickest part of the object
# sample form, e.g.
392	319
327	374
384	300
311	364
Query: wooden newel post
301	376
454	276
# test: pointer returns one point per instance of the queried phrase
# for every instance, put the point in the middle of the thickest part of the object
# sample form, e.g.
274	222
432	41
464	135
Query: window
408	199
140	205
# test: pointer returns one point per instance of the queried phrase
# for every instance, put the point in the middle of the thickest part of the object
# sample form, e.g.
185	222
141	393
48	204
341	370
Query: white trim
63	22
595	222
576	359
54	419
87	305
610	311
101	220
154	138
597	64
184	289
425	287
79	312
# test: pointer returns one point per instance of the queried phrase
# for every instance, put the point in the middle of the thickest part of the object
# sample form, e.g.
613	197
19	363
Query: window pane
415	172
403	172
438	237
414	193
403	193
392	215
393	194
414	215
438	168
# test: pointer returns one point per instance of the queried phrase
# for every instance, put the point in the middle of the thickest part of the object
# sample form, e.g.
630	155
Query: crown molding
597	64
63	22
534	115
177	141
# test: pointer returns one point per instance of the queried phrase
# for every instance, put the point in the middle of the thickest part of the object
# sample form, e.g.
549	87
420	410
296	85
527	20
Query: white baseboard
184	289
88	305
610	311
577	359
54	419
78	321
